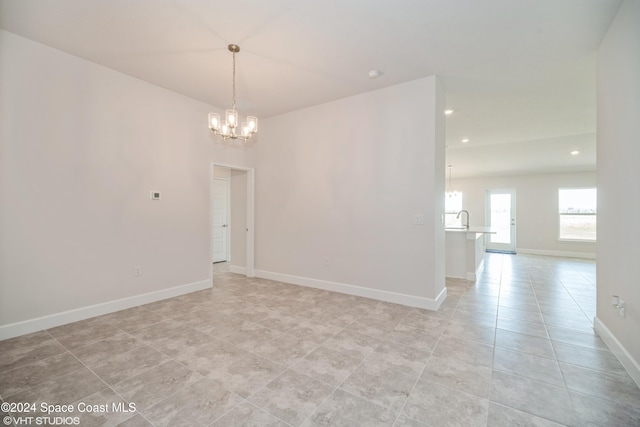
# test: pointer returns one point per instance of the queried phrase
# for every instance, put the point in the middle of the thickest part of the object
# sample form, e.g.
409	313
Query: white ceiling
519	73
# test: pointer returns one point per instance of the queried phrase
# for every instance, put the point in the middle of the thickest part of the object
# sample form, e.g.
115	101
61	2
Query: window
452	205
577	208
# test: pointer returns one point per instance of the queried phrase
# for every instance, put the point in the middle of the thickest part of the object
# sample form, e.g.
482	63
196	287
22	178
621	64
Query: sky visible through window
578	200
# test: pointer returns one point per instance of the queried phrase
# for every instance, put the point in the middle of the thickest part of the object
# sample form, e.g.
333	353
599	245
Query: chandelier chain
233	98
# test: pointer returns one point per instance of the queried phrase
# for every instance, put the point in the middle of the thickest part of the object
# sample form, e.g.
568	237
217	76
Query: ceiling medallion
230	129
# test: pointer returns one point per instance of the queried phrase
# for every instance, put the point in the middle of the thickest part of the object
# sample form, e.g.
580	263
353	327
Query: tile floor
516	348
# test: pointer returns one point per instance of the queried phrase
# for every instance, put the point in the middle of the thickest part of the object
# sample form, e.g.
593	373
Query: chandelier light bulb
253	123
214	121
232	118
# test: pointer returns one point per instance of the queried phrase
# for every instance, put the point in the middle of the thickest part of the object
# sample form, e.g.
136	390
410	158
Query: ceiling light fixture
228	129
575	152
449	111
465	140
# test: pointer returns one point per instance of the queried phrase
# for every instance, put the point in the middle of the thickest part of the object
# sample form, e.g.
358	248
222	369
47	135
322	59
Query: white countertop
488	230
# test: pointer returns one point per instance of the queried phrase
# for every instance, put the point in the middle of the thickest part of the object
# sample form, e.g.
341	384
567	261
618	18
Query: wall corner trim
627	360
377	294
57	319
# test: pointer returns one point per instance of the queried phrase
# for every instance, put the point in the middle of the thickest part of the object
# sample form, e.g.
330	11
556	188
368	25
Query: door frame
512	247
250	214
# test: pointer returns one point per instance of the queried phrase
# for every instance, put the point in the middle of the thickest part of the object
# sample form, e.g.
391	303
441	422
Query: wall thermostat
155	195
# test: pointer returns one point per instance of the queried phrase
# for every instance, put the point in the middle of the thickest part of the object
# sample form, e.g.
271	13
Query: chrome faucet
467	212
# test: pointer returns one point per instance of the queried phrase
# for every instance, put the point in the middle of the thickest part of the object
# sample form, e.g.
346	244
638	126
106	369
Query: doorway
220	211
501	217
232	217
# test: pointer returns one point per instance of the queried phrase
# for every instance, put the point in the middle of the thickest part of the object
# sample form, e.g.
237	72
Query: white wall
344	181
536	208
81	147
618	178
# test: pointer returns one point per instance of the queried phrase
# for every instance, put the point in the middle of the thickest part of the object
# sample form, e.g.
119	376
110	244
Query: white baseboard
237	269
564	254
46	322
377	294
630	364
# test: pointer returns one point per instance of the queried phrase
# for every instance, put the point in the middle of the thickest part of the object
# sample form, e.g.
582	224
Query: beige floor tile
524	343
594	411
354	343
199	404
84	332
528	365
119	367
471	332
104	408
328	365
344	409
27	349
28	376
419	339
503	416
436	405
620	389
285	349
291	397
523	327
459	375
246	414
135	421
66	389
380	383
133	319
599	360
534	397
466	351
246	374
156	384
314	331
405	359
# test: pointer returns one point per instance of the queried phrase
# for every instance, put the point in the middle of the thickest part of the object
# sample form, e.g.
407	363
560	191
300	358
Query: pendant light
451	193
230	128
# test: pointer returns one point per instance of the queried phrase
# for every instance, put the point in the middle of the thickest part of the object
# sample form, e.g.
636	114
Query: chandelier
451	193
230	129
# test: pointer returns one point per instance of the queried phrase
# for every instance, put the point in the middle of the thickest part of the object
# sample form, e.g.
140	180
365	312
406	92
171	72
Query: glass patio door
501	217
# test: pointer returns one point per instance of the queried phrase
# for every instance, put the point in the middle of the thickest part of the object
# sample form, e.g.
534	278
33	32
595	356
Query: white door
501	217
220	219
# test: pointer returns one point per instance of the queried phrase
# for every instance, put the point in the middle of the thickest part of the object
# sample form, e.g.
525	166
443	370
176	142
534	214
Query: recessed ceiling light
575	152
449	111
465	140
374	74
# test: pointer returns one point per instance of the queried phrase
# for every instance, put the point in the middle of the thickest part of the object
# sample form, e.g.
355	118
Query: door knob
224	225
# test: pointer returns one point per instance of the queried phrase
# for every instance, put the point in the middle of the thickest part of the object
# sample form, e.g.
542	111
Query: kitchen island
465	251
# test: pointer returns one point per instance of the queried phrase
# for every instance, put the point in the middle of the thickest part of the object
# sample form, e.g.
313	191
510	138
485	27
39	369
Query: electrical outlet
325	261
137	270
